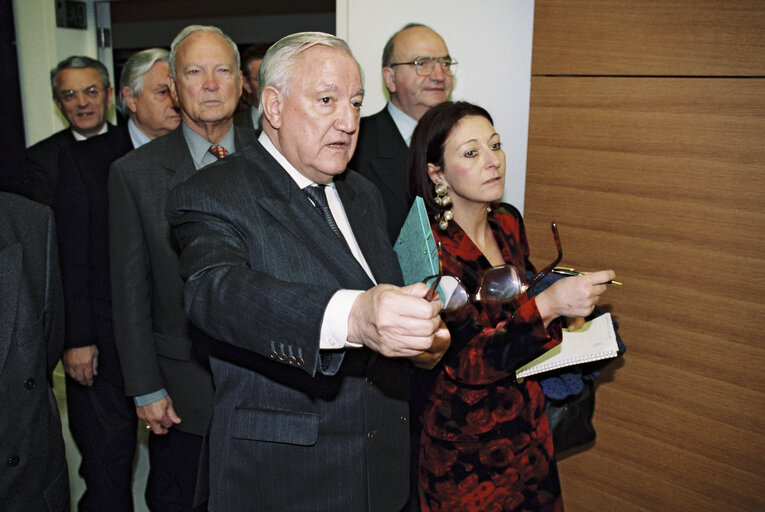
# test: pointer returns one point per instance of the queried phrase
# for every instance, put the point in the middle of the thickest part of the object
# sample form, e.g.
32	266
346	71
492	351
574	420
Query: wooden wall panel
649	37
664	181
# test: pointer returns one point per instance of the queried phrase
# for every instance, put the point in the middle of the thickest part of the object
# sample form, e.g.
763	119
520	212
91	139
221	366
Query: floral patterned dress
485	443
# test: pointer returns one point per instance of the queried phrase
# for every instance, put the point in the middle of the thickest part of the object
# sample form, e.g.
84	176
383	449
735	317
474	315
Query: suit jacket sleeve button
30	383
272	354
368	381
404	419
371	434
14	460
299	361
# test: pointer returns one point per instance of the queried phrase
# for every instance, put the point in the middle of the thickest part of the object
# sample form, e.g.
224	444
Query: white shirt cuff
334	326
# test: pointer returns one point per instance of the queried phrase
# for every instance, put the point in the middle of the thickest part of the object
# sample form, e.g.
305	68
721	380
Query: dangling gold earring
443	200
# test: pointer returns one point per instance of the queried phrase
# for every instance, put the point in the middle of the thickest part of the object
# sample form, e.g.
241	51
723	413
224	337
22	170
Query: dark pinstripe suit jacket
294	428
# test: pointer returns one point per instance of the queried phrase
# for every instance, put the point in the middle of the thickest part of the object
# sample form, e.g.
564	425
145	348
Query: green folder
415	246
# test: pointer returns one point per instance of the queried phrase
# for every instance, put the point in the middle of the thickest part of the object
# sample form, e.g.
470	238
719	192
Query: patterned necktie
319	197
218	151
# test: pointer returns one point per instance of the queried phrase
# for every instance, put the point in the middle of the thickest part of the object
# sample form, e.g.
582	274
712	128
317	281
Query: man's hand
81	363
430	358
396	322
158	415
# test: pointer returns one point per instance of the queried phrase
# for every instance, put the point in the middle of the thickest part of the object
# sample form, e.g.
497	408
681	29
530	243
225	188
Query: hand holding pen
567	271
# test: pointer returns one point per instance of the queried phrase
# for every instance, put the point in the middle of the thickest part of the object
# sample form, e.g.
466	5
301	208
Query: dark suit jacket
243	119
81	208
380	156
294	428
41	170
151	327
33	473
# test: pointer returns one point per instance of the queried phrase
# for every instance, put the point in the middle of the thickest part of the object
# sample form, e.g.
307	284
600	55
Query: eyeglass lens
450	290
425	66
500	283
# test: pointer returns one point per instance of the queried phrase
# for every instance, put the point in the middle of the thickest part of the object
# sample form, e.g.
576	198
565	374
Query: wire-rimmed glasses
71	95
497	284
424	66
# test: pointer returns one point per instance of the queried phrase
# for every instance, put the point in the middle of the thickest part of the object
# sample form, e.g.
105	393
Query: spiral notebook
596	340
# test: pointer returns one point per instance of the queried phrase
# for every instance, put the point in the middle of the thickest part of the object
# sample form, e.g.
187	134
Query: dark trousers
174	461
103	425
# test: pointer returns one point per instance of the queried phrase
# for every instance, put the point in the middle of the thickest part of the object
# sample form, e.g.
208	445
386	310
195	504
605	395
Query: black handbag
570	413
571	419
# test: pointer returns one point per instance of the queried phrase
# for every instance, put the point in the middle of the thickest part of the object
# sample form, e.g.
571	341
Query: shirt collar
137	137
404	123
79	137
298	178
198	146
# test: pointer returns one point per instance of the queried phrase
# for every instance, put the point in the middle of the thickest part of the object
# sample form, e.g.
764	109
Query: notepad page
596	340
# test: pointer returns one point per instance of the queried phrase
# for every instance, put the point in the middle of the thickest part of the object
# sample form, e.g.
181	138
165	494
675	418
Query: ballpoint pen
566	271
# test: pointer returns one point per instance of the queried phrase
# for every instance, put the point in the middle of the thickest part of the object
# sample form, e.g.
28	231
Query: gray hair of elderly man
279	63
79	62
136	67
191	29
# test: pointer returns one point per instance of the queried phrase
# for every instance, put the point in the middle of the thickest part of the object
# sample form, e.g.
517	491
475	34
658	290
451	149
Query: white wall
41	45
491	39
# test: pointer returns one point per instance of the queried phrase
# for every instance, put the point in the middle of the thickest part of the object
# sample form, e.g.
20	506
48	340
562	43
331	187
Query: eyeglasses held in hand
424	66
498	284
70	95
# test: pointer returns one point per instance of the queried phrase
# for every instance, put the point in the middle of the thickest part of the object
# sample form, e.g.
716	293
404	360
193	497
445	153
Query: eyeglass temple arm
432	289
548	268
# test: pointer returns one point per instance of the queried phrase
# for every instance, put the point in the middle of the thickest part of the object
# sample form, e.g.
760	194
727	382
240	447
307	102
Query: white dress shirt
403	122
334	327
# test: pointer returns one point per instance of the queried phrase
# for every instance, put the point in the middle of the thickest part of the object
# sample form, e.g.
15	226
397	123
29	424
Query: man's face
83	99
251	81
153	111
318	121
410	92
208	83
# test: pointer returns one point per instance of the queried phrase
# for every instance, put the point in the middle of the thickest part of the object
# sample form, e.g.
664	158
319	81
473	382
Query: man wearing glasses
417	70
82	93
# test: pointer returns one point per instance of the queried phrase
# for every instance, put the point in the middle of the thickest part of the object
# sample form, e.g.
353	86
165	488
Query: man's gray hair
388	49
79	62
278	65
135	69
191	29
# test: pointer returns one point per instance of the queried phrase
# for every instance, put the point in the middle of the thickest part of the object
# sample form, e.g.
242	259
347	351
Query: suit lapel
362	220
288	205
10	282
177	159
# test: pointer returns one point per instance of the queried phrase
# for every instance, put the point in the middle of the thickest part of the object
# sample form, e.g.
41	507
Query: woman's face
474	163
